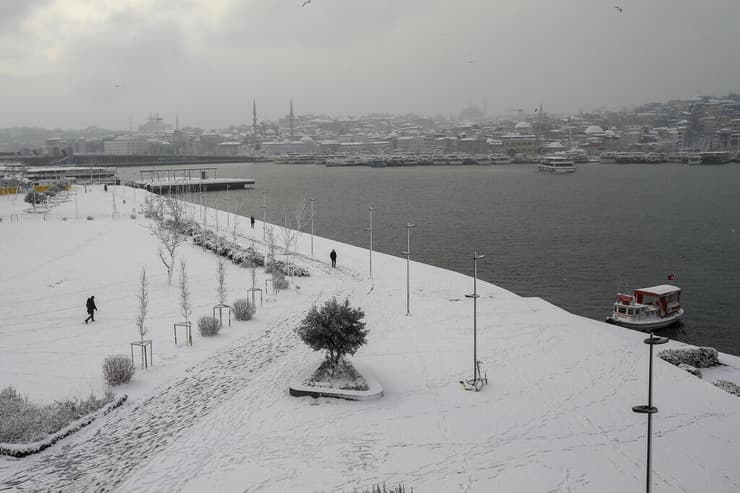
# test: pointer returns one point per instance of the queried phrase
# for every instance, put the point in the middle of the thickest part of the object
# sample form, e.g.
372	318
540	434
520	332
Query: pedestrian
251	221
90	304
105	187
333	257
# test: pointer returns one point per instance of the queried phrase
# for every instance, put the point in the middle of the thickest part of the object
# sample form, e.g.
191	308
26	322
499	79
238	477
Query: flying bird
619	9
306	3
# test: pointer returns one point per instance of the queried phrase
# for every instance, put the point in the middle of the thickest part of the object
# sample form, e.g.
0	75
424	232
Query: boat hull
647	325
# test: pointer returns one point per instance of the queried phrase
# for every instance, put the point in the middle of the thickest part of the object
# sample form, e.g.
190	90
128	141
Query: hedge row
26	449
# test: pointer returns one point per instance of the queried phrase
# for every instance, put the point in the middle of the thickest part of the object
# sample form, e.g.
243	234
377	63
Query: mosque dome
594	130
523	126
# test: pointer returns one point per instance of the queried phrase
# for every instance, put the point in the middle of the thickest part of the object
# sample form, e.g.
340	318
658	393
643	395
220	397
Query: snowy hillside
555	415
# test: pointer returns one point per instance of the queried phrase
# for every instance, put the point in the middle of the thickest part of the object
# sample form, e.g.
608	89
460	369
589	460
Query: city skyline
76	63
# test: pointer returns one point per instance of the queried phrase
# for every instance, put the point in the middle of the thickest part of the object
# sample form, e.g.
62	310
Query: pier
188	179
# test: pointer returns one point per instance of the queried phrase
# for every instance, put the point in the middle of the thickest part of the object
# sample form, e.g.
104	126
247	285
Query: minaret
292	118
177	122
254	117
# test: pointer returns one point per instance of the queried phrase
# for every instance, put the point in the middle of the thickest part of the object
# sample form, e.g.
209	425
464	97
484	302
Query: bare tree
235	232
143	297
293	223
168	223
221	289
185	306
271	242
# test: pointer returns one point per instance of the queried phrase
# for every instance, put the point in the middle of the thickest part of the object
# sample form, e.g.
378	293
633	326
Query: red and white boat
648	308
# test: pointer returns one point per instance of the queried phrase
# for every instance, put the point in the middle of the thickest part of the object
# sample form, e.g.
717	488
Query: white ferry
648	308
557	164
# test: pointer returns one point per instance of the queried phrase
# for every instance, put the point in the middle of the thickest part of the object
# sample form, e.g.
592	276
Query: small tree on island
335	328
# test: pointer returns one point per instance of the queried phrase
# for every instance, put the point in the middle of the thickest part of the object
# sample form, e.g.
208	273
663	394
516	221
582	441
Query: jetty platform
189	179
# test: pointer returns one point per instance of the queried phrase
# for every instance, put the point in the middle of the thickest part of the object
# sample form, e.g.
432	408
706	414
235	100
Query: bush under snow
728	386
23	421
118	369
243	309
698	357
208	326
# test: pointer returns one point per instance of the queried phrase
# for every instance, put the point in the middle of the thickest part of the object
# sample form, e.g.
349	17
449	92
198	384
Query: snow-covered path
101	457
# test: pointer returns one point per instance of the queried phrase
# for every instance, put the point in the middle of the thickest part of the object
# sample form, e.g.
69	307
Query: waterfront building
125	146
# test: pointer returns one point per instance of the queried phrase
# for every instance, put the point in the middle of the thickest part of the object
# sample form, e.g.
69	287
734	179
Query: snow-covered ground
555	415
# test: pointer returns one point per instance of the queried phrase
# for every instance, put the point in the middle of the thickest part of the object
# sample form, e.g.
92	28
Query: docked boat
500	159
557	164
648	308
439	160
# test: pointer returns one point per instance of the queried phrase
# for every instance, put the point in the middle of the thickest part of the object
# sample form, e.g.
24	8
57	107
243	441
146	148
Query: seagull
619	9
306	3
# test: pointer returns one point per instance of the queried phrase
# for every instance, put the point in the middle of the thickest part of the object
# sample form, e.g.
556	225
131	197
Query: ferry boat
557	164
647	308
500	159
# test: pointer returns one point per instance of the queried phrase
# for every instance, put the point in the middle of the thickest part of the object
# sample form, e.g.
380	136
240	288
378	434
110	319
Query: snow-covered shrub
208	326
699	357
34	197
118	369
287	268
243	309
727	386
343	376
279	281
23	421
335	328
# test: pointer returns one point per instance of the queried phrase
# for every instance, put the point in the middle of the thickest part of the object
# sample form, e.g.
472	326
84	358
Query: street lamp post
370	229
312	216
264	216
477	382
407	252
649	409
228	226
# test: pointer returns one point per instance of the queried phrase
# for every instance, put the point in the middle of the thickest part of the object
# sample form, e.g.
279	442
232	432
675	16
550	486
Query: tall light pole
407	252
649	409
264	216
228	227
312	216
370	229
477	381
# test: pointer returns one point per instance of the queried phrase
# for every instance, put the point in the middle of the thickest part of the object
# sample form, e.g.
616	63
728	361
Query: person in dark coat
333	257
251	221
90	303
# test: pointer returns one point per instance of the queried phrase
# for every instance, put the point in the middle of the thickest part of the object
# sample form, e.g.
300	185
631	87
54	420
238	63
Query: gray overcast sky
74	63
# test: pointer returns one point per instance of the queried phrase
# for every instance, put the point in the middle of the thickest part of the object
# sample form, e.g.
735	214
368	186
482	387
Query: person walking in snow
333	257
90	304
251	221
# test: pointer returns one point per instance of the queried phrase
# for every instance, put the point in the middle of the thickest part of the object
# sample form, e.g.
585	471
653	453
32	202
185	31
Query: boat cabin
664	296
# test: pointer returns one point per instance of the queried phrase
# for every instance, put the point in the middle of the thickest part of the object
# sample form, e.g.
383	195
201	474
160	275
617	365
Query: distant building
126	146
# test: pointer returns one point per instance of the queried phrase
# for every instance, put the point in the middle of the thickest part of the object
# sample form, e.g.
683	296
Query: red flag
671	277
